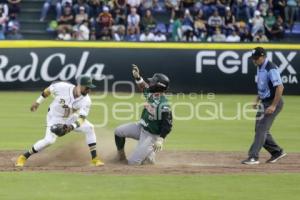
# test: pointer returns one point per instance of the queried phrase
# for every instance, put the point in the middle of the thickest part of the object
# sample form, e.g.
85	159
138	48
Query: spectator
46	7
83	31
200	23
251	6
177	28
81	15
133	21
65	3
218	36
215	21
52	27
233	37
209	15
147	5
263	7
95	8
208	7
290	10
277	31
278	7
172	5
159	6
119	34
189	36
66	21
14	6
93	33
64	34
13	29
147	36
221	6
121	4
159	37
245	34
229	20
257	23
269	20
4	7
104	21
239	10
148	21
132	36
187	22
80	4
186	4
203	37
119	19
106	34
134	3
3	20
260	37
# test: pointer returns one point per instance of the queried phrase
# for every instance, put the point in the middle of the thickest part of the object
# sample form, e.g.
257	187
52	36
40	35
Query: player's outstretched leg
120	143
49	139
88	129
130	130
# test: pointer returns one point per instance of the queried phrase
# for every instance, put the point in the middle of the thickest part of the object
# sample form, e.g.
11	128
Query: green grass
20	128
57	186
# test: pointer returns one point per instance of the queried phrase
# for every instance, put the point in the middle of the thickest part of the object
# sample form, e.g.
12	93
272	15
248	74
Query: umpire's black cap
258	52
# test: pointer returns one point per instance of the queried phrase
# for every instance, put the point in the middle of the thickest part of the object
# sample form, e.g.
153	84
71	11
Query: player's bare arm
77	123
278	94
138	78
40	100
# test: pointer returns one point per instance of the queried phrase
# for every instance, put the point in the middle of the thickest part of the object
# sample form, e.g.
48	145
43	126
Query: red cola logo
37	70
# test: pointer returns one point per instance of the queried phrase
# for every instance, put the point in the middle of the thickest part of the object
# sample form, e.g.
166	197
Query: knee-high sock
120	142
93	150
29	152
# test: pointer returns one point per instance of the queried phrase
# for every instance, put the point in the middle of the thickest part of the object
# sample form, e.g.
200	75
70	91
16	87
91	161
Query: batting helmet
158	83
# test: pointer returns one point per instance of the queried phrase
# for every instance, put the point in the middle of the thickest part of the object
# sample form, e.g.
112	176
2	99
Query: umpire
269	103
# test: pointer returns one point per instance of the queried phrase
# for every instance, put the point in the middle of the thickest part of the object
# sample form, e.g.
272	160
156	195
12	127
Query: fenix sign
231	62
42	70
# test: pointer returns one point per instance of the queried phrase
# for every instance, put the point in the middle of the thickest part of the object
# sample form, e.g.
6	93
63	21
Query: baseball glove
61	129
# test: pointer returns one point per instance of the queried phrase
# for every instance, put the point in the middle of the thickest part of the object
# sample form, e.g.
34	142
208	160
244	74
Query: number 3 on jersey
65	107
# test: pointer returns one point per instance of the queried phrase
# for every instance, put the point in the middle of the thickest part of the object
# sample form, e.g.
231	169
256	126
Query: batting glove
135	71
158	145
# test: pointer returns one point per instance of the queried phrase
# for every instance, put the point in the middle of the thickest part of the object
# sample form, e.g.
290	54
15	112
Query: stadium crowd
9	23
160	20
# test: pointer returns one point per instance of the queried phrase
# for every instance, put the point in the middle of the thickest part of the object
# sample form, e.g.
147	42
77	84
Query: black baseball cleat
250	161
276	157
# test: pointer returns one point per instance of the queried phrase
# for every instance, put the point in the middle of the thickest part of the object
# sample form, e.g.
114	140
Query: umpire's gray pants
263	137
144	149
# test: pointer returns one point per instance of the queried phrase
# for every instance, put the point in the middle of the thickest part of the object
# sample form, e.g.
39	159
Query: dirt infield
169	162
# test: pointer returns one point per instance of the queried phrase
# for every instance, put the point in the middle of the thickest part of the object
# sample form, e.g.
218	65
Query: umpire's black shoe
250	161
276	157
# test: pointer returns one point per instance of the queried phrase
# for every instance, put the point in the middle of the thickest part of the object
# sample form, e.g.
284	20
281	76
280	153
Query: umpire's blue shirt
268	78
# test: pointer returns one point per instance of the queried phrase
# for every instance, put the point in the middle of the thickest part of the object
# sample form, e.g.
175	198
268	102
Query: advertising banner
204	68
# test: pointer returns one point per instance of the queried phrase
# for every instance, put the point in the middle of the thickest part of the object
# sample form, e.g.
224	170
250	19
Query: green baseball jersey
156	107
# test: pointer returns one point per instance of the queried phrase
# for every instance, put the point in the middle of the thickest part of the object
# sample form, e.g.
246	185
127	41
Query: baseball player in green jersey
155	123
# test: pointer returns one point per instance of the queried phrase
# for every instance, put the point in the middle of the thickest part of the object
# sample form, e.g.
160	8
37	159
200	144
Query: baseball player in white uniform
67	112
